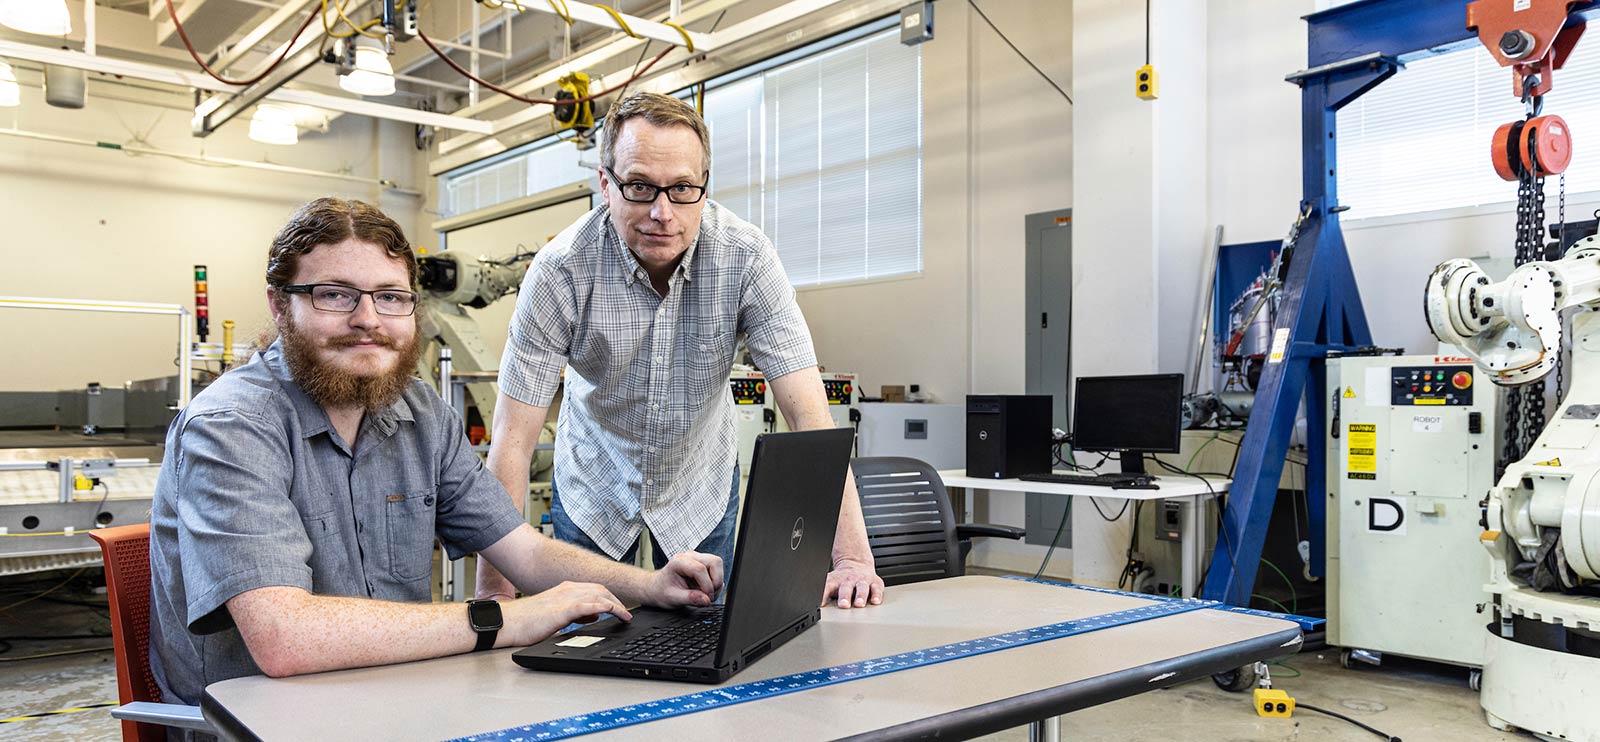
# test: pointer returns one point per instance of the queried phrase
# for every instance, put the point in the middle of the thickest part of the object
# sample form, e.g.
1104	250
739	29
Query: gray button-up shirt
257	489
646	433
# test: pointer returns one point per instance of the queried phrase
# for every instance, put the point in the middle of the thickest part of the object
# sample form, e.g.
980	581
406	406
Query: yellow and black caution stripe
57	712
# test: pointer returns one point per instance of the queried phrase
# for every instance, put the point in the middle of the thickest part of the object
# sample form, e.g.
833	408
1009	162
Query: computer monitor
1128	415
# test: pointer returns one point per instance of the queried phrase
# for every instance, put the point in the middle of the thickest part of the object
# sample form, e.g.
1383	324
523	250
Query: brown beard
330	386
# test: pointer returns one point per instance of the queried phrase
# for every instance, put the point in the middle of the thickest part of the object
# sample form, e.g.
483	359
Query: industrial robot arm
1545	510
455	278
451	281
1512	329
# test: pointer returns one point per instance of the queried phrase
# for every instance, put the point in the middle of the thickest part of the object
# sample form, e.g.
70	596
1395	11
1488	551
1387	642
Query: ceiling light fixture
273	125
43	17
366	70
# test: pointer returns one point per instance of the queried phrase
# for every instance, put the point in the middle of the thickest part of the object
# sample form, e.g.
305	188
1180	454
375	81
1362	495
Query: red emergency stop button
846	388
1461	380
760	387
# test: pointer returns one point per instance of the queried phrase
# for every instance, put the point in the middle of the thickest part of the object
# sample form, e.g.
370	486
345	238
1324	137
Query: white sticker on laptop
581	641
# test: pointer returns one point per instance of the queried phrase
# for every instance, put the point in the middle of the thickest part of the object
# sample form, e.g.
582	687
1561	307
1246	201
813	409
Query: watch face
484	615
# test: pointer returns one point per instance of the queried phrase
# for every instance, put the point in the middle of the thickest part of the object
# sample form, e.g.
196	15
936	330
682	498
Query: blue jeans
719	542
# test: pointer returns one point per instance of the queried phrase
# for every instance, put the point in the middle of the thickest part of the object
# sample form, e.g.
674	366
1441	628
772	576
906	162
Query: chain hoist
1527	151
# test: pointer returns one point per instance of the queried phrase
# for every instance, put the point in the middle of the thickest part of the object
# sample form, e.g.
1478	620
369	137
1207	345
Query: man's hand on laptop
853	584
530	620
688	579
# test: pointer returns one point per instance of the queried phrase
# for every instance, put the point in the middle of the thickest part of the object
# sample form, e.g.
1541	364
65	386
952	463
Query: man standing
643	301
293	523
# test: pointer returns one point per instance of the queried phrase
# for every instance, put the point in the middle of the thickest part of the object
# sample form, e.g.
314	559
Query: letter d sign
1387	515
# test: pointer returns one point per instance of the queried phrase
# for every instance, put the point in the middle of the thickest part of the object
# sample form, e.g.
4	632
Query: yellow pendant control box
1146	83
1274	703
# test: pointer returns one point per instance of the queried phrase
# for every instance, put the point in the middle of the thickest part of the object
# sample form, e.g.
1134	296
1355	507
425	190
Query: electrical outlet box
1169	521
1146	83
1274	703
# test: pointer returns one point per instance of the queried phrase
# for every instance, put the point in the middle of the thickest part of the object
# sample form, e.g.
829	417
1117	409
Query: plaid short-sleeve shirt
646	434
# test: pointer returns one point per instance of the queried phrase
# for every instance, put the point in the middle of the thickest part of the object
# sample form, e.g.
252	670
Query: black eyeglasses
334	297
645	193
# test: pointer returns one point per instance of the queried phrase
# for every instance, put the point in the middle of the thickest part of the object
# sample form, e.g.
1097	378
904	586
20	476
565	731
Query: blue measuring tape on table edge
640	713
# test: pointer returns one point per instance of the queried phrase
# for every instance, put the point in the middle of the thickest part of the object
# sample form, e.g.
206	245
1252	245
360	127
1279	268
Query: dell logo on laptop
797	533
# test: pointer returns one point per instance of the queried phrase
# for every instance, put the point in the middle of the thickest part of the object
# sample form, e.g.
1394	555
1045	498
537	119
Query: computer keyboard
681	642
1113	480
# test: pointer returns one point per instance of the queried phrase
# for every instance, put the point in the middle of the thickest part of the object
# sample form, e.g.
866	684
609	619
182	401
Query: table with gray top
486	692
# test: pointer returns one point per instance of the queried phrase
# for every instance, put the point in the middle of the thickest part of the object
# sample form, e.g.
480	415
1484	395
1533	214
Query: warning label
1349	392
1362	459
1280	345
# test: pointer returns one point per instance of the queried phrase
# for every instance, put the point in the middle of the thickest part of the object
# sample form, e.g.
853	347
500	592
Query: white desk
1189	490
963	698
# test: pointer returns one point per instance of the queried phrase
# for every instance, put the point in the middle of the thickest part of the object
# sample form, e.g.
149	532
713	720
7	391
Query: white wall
93	223
1253	116
996	147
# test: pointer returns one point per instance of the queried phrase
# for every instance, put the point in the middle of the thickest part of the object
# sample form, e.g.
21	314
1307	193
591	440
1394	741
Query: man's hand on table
532	619
853	584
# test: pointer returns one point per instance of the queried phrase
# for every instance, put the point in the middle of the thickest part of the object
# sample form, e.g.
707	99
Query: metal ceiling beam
525	126
588	60
208	23
219	109
260	33
200	81
737	34
649	29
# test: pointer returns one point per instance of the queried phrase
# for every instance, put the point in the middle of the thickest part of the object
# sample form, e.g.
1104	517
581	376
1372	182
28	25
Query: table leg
1045	730
453	580
1192	545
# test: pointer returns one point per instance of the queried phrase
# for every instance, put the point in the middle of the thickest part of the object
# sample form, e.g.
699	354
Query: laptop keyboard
681	642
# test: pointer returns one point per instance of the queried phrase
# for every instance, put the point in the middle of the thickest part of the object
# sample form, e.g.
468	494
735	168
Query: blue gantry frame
1351	49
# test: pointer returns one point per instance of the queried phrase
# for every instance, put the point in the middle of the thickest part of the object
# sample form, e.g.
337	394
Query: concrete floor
1412	700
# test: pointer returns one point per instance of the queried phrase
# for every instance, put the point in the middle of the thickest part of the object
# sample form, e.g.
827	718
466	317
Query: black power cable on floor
1337	715
61	653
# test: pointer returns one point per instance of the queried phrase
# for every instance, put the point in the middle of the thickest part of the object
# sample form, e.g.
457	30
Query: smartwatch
484	616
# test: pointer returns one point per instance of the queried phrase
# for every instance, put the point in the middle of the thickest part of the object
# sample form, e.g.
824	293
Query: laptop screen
785	544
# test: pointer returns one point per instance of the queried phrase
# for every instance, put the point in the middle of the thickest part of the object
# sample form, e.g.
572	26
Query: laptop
781	560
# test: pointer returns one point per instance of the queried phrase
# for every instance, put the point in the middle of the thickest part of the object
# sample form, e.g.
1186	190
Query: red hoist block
1544	139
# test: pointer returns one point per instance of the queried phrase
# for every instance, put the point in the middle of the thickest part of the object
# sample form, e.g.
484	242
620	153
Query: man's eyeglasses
645	193
333	297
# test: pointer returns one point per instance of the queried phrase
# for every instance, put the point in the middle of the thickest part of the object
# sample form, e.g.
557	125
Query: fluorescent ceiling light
373	75
10	94
273	125
43	17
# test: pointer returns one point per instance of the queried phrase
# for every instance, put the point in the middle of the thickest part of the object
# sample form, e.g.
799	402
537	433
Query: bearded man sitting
294	520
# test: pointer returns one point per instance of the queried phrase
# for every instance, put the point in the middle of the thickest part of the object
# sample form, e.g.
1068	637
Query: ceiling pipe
388	185
200	81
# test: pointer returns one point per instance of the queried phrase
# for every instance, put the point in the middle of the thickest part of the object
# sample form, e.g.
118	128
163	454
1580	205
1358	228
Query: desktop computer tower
1008	435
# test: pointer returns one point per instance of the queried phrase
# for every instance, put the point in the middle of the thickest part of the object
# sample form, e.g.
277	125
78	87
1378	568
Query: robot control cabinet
839	388
754	412
1411	454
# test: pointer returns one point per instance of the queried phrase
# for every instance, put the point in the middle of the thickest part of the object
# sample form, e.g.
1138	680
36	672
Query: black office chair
910	526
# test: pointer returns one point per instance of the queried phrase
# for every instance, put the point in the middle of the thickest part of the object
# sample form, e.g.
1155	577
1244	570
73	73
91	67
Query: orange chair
126	553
